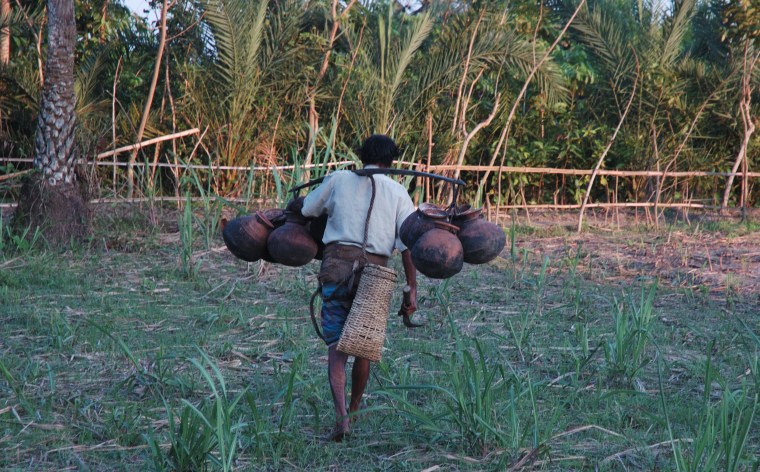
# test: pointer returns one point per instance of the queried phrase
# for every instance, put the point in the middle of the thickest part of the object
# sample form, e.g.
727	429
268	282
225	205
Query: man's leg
336	374
359	377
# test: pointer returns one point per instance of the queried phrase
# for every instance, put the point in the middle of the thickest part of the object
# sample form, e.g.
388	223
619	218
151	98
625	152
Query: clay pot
246	236
291	244
275	215
420	222
317	228
438	253
481	240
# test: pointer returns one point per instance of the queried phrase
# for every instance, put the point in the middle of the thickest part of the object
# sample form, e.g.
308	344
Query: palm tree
51	201
254	87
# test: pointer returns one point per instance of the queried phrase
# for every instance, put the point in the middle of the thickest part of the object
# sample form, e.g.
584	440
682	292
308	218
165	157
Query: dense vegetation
276	82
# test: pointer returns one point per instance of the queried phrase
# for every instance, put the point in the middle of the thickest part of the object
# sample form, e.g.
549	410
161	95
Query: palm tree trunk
51	203
5	33
54	144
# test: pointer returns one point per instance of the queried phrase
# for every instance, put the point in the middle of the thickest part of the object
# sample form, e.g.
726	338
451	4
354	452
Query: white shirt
344	197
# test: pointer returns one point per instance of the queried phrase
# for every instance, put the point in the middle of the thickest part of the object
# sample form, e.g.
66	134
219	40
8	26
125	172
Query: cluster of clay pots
441	241
276	235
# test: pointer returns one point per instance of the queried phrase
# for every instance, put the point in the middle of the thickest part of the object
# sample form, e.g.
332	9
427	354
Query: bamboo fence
180	169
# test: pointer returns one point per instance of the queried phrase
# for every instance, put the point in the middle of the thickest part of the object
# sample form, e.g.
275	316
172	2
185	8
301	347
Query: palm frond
399	62
415	37
604	34
680	26
225	19
254	41
87	84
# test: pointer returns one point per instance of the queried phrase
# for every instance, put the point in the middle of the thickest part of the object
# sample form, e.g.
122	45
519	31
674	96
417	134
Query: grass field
156	349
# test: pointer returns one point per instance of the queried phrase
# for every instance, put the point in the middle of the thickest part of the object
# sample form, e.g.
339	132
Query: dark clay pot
481	240
438	253
420	222
246	236
276	216
291	244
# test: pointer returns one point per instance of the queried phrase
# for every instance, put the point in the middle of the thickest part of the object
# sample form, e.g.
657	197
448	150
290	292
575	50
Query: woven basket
364	331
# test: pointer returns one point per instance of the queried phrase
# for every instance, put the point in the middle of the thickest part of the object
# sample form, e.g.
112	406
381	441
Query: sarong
338	287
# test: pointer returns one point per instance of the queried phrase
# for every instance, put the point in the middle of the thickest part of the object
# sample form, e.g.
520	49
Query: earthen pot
291	244
276	216
246	237
481	240
438	253
420	222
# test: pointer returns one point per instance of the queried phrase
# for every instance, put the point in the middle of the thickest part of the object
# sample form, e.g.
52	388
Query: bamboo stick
488	205
191	166
147	143
611	172
149	99
14	175
434	168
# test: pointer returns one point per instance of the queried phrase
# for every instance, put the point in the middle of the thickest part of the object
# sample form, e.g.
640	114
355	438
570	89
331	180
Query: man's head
379	150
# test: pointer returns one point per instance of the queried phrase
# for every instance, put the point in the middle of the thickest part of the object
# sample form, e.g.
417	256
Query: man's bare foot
339	433
353	413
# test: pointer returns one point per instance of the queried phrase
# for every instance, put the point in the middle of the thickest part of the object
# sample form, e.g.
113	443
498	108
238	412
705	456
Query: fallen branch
586	428
641	448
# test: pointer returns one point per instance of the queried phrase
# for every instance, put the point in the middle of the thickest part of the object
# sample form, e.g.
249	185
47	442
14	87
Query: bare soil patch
712	253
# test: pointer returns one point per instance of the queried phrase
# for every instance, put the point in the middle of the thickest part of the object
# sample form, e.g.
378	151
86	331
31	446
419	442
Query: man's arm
411	280
316	202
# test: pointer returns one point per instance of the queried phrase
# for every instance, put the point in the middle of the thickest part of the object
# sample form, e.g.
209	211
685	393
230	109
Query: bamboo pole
576	206
142	144
14	175
149	100
434	168
113	120
609	172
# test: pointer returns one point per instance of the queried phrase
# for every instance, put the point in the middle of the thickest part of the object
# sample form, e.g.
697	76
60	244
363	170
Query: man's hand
409	306
295	205
410	301
411	281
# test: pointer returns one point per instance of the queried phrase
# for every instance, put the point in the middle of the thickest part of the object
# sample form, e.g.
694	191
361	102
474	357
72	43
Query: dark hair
378	149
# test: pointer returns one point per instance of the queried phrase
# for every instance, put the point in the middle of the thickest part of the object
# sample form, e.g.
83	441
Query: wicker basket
364	332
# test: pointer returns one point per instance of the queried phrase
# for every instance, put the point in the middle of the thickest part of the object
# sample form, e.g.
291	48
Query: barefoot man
345	198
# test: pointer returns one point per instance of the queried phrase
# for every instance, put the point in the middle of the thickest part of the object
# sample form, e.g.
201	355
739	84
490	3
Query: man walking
345	198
